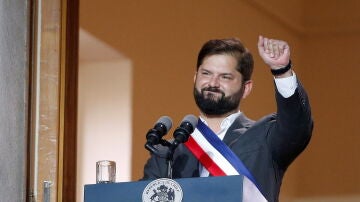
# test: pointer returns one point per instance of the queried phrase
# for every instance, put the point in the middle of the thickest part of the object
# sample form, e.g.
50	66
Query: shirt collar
226	122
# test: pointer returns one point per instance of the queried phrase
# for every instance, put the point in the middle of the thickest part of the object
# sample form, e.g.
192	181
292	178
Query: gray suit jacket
266	147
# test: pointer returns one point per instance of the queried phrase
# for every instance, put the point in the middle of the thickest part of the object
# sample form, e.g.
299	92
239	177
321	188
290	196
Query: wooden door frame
62	18
68	97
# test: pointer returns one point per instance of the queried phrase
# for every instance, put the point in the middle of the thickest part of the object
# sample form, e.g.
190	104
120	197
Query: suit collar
240	125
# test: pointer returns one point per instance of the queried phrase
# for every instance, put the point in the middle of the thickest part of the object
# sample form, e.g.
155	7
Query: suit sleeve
155	167
290	132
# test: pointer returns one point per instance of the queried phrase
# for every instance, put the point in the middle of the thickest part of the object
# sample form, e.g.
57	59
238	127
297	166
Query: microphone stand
167	155
170	157
169	161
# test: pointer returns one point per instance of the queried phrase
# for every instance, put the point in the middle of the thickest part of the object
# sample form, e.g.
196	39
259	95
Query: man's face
218	85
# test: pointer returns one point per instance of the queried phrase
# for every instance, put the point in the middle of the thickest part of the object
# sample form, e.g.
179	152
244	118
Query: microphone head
166	121
162	126
191	119
187	126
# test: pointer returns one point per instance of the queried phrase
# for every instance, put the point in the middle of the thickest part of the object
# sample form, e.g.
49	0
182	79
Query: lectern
206	189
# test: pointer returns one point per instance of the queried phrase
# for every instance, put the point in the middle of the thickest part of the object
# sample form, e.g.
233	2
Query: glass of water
105	171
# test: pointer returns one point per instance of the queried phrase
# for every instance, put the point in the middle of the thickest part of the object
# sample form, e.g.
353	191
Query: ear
195	76
247	88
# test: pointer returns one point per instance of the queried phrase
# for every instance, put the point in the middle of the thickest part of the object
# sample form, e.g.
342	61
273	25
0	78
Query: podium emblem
162	190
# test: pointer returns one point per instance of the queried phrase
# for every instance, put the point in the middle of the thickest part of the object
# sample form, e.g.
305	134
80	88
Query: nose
214	82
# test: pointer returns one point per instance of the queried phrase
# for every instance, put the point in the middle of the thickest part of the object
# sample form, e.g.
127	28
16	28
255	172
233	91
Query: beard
210	105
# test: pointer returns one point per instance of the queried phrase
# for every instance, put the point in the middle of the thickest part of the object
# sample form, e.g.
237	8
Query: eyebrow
224	73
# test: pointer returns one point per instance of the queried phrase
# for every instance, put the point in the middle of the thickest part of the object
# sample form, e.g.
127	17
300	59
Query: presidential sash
220	160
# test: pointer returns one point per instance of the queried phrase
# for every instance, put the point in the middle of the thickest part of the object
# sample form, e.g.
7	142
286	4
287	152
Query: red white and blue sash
218	158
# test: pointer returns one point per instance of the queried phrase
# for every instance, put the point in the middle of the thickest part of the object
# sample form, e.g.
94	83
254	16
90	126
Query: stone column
14	85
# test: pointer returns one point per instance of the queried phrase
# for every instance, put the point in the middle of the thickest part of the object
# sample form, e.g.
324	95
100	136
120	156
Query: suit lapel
240	125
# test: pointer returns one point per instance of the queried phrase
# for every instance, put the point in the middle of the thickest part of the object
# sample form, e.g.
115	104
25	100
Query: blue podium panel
206	189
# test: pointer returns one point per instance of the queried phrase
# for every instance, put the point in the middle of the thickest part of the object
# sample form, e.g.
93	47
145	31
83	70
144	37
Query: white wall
104	118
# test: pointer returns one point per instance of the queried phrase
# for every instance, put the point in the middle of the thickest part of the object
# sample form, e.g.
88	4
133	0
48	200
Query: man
266	147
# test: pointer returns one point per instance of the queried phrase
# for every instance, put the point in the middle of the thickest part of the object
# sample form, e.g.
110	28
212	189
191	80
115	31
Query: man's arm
291	131
289	134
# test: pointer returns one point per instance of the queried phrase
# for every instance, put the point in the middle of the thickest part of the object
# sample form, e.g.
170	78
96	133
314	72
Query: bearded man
265	147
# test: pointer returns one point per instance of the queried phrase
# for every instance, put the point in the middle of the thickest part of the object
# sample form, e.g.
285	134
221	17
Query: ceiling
315	16
103	52
304	17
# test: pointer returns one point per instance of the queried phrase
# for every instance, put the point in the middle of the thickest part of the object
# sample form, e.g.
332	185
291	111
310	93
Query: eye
227	77
205	73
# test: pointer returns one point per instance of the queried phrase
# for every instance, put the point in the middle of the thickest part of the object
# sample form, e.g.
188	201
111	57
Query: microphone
181	135
187	126
161	127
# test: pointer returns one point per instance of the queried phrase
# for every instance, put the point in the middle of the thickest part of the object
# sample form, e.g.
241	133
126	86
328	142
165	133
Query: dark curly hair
230	46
